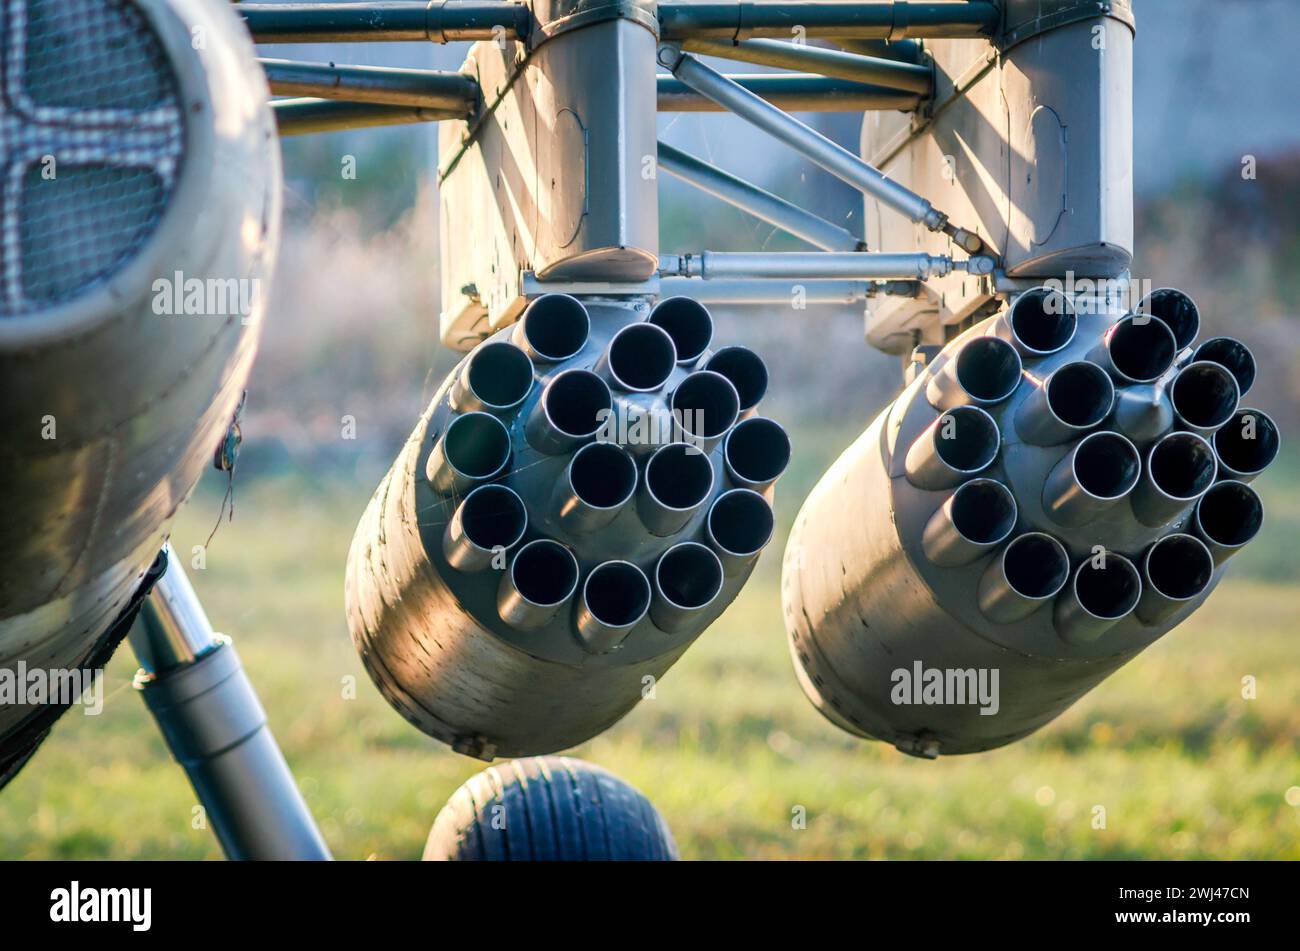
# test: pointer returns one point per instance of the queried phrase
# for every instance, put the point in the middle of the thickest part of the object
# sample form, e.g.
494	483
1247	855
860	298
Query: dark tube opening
545	572
988	368
758	450
679	476
1182	465
477	445
1141	351
1080	394
493	516
705	404
1176	311
689	575
984	511
1107	465
641	357
1043	320
1230	514
573	402
741	522
1035	565
967	438
603	475
500	374
746	371
1234	355
1179	567
1205	395
1110	591
556	326
689	324
617	593
1248	442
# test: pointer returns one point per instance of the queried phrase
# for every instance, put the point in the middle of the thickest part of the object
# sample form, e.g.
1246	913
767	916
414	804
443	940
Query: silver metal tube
678	478
173	630
489	521
306	116
1180	469
422	88
687	579
756	452
615	597
1104	590
1040	322
975	519
1247	444
739	527
705	406
688	323
762	291
825	62
813	265
475	448
746	371
1029	572
790	92
542	578
569	412
1204	396
1175	570
833	20
439	21
1136	349
808	142
1073	399
1227	517
983	372
553	328
758	202
1233	354
496	378
961	443
598	482
1101	469
639	359
1174	309
1143	412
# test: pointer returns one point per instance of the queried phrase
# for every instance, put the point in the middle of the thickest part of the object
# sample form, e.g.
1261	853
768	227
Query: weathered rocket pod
548	809
462	595
141	225
901	564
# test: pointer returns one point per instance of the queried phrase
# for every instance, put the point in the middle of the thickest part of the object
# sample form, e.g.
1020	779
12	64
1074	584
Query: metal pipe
598	482
1073	399
571	411
421	88
811	265
705	406
1040	322
791	92
810	143
1105	590
542	578
553	328
739	527
1101	469
1175	570
688	323
800	57
439	21
762	291
756	452
970	523
475	448
687	579
1204	396
306	116
1031	570
491	520
1180	469
1176	311
639	358
615	597
1136	349
173	630
1228	516
1247	444
496	378
984	372
746	371
756	201
1233	354
961	443
830	20
677	480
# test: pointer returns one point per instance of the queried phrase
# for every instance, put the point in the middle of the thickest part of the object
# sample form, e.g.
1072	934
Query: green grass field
729	750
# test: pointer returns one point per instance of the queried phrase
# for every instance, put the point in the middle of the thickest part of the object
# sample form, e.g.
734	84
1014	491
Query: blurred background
729	750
